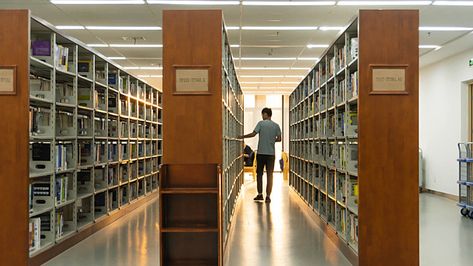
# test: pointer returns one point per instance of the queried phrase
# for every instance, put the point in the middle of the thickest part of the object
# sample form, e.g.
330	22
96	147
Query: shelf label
7	80
388	79
192	80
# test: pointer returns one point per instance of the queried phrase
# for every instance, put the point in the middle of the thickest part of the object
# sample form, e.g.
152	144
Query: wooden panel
177	252
193	131
388	142
14	175
189	211
179	176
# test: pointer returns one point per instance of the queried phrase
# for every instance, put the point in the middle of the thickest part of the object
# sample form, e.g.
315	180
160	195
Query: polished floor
272	234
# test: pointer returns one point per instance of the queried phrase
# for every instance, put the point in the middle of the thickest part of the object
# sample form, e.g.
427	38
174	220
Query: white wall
443	119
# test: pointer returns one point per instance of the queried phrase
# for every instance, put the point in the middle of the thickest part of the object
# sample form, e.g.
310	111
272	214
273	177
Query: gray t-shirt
268	131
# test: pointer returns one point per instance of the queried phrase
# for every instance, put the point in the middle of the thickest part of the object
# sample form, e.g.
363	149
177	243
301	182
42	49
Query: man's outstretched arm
252	134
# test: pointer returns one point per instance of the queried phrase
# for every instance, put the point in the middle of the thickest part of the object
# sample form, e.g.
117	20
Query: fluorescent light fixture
143	68
97	45
268	82
274	68
71	27
200	3
151	68
317	46
235	45
117	58
150	76
308	59
278	28
123	28
384	3
265	58
259	76
453	3
430	47
232	28
260	82
136	45
270	76
331	28
97	2
288	3
445	29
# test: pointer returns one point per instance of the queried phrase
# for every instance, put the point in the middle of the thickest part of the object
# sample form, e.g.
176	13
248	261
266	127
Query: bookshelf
204	137
340	159
81	171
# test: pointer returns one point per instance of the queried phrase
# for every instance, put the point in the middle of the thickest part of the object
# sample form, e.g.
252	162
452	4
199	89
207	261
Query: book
354	48
41	48
34	234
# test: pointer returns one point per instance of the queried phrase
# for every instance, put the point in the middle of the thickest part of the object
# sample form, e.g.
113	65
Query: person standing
269	133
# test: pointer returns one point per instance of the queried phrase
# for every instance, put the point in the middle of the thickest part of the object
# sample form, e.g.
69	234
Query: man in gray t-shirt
269	133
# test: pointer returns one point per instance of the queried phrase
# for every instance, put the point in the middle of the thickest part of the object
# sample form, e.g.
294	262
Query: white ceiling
253	43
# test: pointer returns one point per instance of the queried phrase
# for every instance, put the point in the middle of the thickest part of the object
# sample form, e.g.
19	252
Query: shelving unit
323	132
192	144
233	119
89	154
326	148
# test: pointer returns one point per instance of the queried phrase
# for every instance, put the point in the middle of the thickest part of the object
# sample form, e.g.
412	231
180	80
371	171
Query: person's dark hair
267	111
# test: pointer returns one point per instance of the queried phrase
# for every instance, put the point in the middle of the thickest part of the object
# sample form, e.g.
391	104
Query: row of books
62	187
40	87
61	58
34	230
64	123
59	224
39	120
62	161
353	225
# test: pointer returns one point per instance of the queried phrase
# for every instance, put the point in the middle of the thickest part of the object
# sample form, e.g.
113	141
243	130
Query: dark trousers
262	161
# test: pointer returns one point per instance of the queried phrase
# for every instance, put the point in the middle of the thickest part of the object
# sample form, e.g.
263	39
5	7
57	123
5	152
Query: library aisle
278	234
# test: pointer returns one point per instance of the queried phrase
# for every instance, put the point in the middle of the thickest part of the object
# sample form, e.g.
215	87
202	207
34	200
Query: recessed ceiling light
270	76
288	3
232	28
235	45
136	45
71	27
317	46
150	76
266	58
117	58
123	28
151	68
274	68
445	29
143	68
429	46
277	28
331	28
384	3
261	76
97	45
308	58
200	3
97	2
453	3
